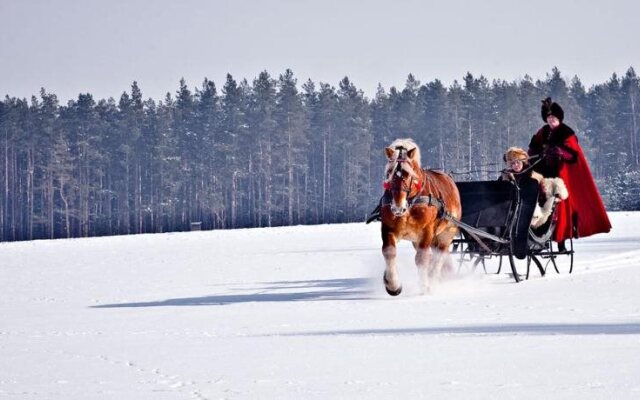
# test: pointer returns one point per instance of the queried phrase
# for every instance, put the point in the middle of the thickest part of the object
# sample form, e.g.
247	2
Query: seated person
518	167
552	190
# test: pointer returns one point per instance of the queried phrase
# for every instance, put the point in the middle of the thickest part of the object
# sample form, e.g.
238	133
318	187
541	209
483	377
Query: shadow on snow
315	290
631	328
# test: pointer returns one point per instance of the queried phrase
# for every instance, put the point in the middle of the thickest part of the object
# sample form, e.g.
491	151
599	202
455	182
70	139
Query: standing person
556	143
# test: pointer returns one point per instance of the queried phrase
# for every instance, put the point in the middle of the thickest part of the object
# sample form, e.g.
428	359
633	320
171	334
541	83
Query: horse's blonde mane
408	144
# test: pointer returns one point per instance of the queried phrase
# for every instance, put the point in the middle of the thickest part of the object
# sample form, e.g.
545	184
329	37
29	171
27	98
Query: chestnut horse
414	203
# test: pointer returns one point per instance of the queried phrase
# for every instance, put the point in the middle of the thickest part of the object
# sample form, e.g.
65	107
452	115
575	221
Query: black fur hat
550	108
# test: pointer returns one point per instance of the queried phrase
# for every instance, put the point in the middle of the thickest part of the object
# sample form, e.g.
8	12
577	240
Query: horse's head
402	177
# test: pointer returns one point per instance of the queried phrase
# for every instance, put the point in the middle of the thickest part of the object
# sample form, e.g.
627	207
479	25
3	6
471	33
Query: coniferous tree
290	147
147	160
458	118
630	115
187	142
380	119
45	115
233	142
509	113
406	110
356	149
530	96
209	193
324	135
106	205
311	103
262	125
11	125
136	140
433	121
169	166
83	136
123	162
65	181
602	111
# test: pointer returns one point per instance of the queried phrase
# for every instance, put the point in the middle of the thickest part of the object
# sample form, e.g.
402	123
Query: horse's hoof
386	287
394	292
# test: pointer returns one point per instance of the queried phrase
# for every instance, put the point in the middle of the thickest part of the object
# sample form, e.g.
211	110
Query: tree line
273	152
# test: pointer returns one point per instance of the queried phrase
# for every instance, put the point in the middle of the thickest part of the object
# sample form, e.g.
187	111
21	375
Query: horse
413	208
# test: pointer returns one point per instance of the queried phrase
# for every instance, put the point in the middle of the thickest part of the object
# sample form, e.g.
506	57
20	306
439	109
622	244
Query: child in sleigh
552	190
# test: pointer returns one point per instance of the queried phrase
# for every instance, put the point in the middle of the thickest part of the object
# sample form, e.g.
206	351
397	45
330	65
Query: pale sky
101	47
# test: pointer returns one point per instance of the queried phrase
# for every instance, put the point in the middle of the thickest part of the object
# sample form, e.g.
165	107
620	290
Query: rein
529	168
494	171
479	169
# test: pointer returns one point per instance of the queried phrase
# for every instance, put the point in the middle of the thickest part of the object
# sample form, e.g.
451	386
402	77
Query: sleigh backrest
486	204
500	208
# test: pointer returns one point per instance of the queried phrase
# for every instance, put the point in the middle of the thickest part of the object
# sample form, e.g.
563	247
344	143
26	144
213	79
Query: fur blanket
552	191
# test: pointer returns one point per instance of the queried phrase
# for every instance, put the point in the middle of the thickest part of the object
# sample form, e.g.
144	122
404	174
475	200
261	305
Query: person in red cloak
559	155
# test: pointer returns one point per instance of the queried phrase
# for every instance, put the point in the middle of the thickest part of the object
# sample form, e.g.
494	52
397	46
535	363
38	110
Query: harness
419	199
431	200
428	199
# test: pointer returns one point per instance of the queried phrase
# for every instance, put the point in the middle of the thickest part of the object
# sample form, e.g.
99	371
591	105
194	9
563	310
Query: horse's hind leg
423	262
442	259
390	277
441	263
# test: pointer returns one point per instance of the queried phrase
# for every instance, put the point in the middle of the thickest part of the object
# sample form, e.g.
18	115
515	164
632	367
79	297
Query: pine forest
275	151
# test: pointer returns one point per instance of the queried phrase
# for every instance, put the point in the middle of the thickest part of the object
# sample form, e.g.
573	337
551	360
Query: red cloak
584	199
584	207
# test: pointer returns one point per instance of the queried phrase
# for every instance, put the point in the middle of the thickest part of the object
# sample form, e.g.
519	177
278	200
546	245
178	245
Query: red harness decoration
387	185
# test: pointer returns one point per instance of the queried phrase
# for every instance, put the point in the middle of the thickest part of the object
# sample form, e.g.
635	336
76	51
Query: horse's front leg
390	277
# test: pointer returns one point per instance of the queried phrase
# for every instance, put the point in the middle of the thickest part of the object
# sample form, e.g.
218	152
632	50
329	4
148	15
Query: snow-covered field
301	313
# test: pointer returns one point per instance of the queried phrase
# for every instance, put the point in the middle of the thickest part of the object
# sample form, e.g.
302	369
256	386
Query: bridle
395	181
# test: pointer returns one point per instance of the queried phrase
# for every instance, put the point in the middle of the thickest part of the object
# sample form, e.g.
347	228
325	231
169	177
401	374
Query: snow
301	313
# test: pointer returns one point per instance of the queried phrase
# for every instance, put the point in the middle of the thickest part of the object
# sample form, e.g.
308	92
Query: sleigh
496	223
